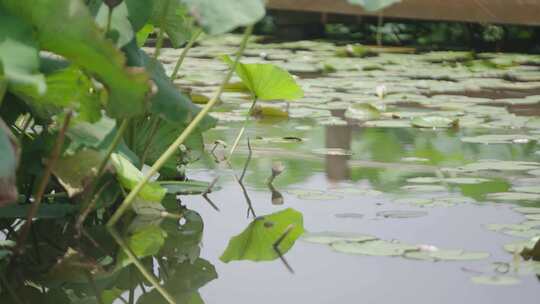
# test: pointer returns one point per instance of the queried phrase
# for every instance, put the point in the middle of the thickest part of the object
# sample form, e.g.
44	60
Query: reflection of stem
277	197
89	207
7	286
94	242
278	251
210	202
94	286
92	198
186	49
240	181
187	131
379	29
146	274
248	199
42	186
247	161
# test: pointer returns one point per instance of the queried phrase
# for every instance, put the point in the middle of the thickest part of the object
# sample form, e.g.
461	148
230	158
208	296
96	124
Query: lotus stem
128	201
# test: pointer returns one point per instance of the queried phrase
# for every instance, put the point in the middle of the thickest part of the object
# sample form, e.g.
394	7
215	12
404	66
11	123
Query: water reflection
95	268
337	166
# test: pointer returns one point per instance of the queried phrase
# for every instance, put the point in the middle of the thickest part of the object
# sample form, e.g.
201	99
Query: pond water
399	177
374	149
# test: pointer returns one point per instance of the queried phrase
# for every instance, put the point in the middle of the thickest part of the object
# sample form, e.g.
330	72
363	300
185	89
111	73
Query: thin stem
109	20
146	274
246	196
92	199
114	144
94	287
42	186
25	125
242	130
161	33
184	53
180	140
153	131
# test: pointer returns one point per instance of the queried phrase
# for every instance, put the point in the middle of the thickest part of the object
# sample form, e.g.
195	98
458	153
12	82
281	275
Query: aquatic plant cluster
98	133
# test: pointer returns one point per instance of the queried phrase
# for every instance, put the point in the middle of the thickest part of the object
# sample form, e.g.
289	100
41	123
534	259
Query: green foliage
19	55
82	62
120	27
83	43
172	17
3	83
267	81
8	165
218	17
256	242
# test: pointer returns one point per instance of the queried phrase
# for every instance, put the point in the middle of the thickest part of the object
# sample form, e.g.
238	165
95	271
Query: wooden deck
525	12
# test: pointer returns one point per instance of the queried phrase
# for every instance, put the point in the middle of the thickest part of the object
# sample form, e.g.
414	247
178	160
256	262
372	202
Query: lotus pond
415	178
398	177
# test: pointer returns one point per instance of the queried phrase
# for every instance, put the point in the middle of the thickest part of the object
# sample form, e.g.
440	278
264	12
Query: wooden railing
526	12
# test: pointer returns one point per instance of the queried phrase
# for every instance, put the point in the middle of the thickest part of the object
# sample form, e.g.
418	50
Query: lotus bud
277	169
381	91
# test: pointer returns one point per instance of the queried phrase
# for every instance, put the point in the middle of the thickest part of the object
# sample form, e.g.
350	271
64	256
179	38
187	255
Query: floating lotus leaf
528	210
362	112
434	122
501	165
498	280
499	139
424	188
513	196
332	237
374	248
401	214
446	255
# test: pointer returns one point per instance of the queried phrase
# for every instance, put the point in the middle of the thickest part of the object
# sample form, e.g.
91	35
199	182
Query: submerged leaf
45	211
75	172
256	242
143	243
